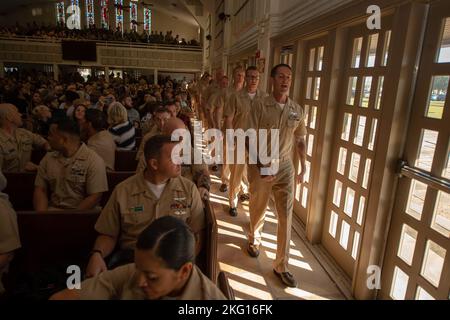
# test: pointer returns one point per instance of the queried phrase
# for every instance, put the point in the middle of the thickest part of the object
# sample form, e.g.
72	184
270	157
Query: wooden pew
20	189
126	161
210	245
50	241
224	285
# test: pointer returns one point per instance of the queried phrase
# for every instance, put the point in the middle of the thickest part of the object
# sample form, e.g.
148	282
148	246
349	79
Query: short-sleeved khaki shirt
15	150
122	283
219	98
133	206
103	144
9	233
239	106
289	120
71	180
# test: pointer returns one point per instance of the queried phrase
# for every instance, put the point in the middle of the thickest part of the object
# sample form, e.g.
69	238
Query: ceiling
174	8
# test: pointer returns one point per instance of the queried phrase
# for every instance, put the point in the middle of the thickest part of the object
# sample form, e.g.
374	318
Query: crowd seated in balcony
94	33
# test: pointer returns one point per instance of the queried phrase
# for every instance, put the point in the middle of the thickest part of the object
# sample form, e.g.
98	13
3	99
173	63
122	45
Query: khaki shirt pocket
77	183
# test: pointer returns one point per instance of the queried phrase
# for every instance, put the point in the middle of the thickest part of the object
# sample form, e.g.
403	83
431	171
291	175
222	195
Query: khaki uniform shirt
219	98
15	150
289	120
122	283
103	144
133	206
239	106
9	232
71	180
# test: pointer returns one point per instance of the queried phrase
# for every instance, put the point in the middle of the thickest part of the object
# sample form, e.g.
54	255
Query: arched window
60	16
147	19
133	16
90	20
119	15
105	14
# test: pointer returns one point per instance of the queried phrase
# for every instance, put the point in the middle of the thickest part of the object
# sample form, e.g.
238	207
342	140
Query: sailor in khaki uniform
99	139
9	233
236	113
163	269
159	119
277	112
217	103
197	173
136	202
16	143
74	175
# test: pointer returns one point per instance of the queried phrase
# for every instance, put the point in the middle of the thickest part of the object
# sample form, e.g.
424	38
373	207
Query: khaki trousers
238	183
282	190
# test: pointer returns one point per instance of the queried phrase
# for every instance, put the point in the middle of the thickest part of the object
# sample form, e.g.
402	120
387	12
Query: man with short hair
98	138
216	105
197	173
237	112
160	117
142	198
277	111
16	143
133	114
74	176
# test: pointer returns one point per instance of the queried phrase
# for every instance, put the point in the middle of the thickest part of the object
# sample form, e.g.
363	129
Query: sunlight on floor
292	262
250	291
244	274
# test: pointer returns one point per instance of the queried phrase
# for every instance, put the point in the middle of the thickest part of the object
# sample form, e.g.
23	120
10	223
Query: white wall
163	22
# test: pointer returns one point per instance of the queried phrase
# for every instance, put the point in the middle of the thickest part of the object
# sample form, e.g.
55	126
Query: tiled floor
253	278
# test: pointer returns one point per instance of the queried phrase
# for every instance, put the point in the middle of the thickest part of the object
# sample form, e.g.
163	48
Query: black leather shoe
233	212
253	250
223	188
287	278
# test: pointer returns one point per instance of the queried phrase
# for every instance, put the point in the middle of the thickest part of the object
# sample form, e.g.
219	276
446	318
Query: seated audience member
99	139
42	119
16	143
122	130
139	200
74	176
197	173
160	117
9	234
79	111
164	268
69	98
133	114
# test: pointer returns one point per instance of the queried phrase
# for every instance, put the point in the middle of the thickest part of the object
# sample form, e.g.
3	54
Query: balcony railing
109	53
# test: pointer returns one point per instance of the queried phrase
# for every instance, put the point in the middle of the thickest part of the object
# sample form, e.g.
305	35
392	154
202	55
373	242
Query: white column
107	74
155	76
55	72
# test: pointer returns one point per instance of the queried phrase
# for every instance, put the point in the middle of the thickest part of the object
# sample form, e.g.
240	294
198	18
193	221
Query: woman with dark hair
164	269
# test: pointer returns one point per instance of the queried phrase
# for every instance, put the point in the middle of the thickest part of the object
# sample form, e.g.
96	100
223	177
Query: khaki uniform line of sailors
133	206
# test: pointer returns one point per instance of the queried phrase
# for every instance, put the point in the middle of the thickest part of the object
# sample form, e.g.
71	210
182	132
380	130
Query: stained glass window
74	15
105	14
60	17
119	15
90	20
133	16
147	19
